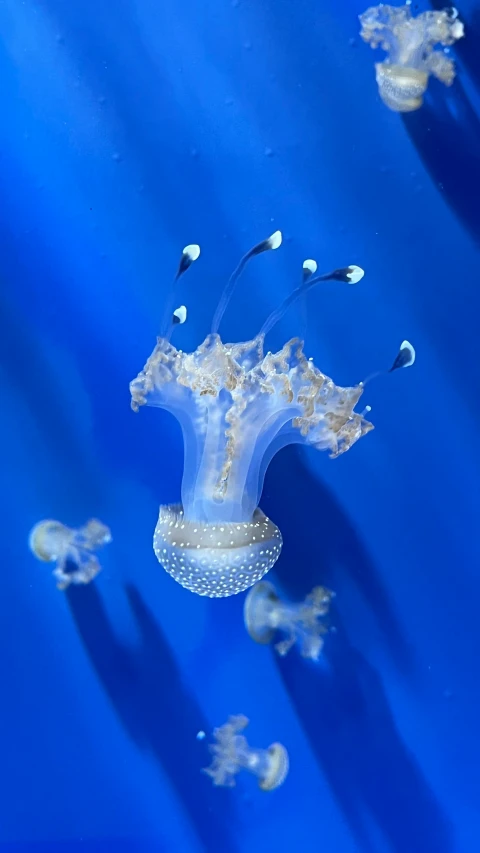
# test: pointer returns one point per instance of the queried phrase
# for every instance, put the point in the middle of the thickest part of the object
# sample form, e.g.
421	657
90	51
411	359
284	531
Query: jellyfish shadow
467	47
24	359
371	773
446	134
341	701
323	547
154	706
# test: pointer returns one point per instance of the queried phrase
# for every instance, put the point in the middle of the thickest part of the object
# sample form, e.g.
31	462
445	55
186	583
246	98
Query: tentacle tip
309	267
405	356
179	315
275	240
408	350
192	251
457	30
354	273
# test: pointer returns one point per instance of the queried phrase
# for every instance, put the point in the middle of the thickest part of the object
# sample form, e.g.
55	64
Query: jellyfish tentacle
405	357
272	242
349	275
190	254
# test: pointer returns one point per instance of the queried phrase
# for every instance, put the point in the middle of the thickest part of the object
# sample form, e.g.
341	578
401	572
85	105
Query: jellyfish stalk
231	754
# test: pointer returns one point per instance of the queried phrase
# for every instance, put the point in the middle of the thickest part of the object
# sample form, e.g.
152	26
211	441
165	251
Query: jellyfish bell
215	559
260	604
237	406
277	768
401	89
47	539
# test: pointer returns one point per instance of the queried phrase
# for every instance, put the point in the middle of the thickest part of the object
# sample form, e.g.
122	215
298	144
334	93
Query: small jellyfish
237	406
231	753
72	550
410	44
265	614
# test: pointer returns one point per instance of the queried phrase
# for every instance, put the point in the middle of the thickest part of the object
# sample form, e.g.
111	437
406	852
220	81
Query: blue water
130	128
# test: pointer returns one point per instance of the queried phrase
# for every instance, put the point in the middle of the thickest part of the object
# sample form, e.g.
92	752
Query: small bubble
200	735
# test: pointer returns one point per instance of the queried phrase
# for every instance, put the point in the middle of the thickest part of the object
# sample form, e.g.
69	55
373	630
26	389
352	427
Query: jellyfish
237	406
410	44
231	753
73	550
265	614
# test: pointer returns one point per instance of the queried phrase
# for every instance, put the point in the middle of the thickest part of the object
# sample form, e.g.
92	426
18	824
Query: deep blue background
128	129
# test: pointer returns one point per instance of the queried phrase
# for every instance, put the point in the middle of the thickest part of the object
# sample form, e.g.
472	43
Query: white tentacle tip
192	251
410	353
355	273
275	240
180	315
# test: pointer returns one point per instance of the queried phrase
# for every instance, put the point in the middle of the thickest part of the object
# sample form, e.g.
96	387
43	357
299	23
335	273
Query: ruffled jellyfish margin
237	407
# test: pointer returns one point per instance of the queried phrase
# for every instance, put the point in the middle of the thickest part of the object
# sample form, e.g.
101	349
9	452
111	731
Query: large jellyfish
410	44
237	406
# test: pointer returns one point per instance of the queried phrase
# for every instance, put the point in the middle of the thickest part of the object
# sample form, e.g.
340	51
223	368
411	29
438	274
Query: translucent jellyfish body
266	614
231	753
72	550
410	43
237	407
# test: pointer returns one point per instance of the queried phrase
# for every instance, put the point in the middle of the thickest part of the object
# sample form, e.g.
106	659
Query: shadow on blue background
341	701
326	546
348	721
155	706
447	130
